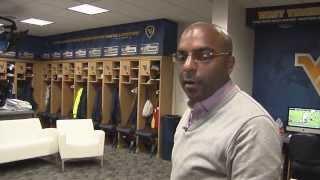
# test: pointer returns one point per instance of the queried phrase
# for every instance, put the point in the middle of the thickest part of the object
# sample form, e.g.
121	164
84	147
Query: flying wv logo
311	67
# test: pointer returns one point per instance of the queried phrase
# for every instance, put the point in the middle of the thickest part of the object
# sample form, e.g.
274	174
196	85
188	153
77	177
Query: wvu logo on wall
311	67
150	30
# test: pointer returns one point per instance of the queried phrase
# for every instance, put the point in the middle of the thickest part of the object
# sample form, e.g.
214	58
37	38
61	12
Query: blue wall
277	83
163	33
30	44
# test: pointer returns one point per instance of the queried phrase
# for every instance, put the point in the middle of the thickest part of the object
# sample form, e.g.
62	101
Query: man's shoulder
247	105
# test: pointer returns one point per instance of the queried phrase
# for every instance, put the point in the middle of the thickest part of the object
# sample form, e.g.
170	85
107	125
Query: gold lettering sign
300	12
271	14
108	36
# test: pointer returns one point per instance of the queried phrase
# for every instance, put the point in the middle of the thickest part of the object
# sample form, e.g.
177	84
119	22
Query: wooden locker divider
29	73
67	90
3	70
110	82
56	88
38	85
94	82
20	70
111	70
23	74
42	80
19	75
81	77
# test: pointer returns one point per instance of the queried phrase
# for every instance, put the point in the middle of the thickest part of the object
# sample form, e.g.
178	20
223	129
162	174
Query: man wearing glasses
224	134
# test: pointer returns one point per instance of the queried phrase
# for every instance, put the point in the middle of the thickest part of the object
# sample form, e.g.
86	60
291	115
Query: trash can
168	126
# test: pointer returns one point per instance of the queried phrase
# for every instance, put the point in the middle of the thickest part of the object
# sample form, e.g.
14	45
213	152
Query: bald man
224	134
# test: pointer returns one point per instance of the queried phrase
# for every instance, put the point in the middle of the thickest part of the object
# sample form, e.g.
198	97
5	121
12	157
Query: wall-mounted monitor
305	120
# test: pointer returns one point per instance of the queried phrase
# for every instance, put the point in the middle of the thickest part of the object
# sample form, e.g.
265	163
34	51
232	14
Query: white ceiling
122	11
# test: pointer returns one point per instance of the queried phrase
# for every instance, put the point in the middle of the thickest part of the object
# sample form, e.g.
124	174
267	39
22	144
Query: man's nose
189	64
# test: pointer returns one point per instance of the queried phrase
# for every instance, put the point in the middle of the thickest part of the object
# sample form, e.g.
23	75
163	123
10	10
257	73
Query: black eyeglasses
199	55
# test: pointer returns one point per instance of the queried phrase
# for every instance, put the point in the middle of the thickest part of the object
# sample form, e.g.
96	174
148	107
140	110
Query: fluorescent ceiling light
1	24
38	22
88	9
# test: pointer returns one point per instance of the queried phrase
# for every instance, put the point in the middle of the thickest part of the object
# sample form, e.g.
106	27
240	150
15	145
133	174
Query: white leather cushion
82	141
75	126
19	130
27	149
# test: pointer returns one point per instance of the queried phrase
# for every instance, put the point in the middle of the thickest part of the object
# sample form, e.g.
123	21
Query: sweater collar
204	107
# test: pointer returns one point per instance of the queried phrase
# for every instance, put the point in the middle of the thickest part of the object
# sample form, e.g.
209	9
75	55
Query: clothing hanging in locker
25	93
47	98
133	115
97	108
147	111
82	108
115	107
4	92
76	102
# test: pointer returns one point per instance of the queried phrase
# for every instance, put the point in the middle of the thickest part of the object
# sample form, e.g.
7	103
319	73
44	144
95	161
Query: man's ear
230	64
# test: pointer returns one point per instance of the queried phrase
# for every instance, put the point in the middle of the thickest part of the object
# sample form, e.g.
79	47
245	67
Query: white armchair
78	139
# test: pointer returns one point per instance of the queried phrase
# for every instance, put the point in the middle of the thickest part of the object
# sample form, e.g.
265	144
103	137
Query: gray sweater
238	140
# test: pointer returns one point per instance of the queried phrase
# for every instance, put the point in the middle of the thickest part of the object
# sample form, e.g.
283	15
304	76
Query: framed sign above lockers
154	37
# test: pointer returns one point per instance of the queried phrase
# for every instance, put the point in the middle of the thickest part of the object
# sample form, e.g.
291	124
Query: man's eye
206	54
181	56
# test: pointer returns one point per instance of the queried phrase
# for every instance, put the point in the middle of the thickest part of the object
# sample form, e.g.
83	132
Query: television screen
304	120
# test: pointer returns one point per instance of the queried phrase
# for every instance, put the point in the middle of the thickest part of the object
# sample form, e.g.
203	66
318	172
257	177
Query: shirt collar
201	108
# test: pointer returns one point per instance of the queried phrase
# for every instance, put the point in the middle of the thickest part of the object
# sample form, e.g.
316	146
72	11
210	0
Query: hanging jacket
133	115
4	92
11	90
25	92
97	107
115	107
47	98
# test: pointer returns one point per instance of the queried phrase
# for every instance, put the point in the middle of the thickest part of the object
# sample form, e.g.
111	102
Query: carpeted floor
118	165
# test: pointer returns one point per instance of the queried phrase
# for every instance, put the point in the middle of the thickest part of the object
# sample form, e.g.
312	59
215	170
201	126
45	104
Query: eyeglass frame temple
214	54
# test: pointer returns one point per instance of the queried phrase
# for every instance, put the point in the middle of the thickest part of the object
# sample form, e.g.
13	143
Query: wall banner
293	14
154	37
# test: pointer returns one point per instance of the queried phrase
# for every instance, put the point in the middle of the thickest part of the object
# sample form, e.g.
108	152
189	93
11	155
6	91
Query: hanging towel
76	103
82	109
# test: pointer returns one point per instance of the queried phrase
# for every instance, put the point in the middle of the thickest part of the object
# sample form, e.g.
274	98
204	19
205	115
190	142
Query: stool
129	134
151	135
111	130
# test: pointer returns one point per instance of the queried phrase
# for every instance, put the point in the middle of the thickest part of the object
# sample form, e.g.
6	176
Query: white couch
78	139
24	138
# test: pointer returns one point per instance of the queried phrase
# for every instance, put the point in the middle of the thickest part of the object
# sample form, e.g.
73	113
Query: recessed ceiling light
38	22
88	9
1	24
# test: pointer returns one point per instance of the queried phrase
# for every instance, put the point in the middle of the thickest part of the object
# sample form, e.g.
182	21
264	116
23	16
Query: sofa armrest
62	138
53	134
101	136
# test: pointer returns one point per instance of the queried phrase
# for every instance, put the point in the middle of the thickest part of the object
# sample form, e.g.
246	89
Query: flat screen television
303	120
